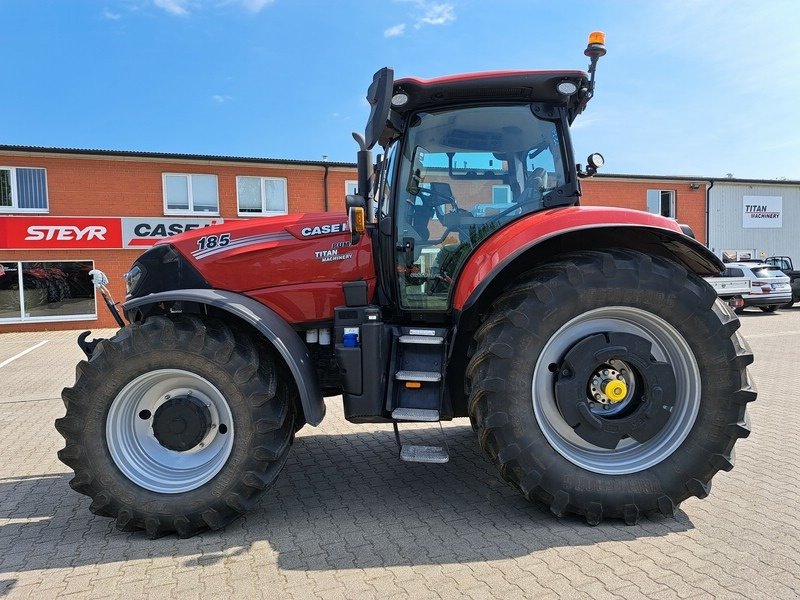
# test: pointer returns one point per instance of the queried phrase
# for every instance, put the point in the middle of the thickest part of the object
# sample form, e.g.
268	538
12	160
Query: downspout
325	186
708	212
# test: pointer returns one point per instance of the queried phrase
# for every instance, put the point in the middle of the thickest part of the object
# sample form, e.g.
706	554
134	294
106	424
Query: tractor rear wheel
176	425
610	384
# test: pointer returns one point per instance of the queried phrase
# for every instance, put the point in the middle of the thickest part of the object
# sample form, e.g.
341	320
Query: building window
261	196
661	202
23	189
350	188
46	291
188	194
501	194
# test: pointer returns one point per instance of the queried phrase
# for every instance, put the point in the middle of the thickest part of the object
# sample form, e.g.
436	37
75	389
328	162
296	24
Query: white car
769	287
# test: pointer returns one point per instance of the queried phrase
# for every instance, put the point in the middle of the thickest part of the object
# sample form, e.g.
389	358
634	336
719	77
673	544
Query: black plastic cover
379	96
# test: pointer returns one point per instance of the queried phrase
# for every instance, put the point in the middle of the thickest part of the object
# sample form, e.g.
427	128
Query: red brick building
53	200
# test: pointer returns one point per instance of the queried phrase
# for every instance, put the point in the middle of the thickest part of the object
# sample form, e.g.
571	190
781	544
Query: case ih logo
143	232
60	233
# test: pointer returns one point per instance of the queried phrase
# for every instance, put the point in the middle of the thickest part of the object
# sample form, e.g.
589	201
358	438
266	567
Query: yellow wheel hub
615	390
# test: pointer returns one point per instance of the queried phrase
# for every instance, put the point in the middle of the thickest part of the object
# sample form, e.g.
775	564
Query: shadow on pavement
343	501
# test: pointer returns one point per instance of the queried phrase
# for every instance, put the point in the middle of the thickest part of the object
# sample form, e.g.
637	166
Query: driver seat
535	184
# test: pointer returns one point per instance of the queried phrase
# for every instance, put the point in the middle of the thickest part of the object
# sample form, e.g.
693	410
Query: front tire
550	349
176	425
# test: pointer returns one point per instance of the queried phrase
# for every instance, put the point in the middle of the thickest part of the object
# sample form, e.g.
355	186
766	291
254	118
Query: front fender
269	324
542	236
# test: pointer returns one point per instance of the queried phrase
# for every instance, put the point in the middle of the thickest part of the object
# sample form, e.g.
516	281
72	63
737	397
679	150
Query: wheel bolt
565	372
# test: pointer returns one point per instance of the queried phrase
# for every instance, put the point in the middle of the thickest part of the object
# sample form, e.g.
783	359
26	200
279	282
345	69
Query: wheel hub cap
597	395
615	390
181	423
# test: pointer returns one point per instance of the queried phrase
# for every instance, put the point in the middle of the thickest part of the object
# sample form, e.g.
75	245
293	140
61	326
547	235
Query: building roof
322	163
171	156
698	178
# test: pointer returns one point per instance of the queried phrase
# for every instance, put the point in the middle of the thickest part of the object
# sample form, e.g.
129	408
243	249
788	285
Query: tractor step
428	340
418	376
415	414
417	387
422	453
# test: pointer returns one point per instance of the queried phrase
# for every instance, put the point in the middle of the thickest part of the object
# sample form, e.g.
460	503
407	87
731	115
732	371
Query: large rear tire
610	384
177	425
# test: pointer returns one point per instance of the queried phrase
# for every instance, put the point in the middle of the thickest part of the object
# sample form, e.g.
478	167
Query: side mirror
418	171
379	96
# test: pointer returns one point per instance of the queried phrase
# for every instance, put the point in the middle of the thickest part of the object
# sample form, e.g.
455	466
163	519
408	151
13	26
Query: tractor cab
463	156
457	175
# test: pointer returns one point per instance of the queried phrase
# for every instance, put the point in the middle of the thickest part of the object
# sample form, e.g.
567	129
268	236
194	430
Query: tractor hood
295	264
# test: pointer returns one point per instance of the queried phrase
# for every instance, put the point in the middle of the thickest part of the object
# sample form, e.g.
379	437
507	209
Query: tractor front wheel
176	425
610	384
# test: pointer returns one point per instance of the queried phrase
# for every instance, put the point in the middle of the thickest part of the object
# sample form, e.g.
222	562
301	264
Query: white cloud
395	30
174	7
182	8
111	16
435	14
220	99
252	6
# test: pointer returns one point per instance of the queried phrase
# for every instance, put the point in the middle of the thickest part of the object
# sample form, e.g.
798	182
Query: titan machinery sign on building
762	212
90	233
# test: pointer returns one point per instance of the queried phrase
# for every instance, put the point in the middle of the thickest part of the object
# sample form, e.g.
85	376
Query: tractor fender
279	333
541	236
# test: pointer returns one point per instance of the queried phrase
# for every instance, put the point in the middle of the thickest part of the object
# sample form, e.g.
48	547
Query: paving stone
346	519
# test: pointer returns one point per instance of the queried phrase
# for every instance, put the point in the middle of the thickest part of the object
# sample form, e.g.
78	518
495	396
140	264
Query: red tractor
601	374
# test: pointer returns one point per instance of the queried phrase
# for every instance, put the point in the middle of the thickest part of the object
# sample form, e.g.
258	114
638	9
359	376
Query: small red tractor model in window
601	374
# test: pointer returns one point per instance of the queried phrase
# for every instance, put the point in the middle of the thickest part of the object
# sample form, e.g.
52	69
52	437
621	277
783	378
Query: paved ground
346	519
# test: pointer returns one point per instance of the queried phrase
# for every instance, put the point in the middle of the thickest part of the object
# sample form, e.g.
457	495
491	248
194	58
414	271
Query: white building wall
725	220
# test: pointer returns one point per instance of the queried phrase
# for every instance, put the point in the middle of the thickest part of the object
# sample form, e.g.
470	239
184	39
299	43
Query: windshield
463	173
492	158
766	272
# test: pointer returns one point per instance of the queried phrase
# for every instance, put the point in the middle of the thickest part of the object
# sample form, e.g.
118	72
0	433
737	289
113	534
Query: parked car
769	286
784	263
731	289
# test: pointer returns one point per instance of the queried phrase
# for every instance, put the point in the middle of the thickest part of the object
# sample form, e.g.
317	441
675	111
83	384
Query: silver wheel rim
137	452
629	456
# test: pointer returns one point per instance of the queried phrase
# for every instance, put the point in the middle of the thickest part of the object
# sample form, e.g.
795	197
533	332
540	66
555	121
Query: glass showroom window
23	189
261	196
189	194
46	291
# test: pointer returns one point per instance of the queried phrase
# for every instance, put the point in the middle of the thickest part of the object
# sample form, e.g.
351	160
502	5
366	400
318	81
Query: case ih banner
144	232
84	233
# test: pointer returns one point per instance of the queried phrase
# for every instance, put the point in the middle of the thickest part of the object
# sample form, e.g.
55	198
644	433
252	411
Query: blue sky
702	88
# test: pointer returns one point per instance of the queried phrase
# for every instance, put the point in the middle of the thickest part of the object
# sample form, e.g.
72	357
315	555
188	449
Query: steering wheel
437	199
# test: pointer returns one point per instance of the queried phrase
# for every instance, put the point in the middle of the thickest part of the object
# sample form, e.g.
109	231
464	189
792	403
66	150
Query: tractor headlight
567	88
132	278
